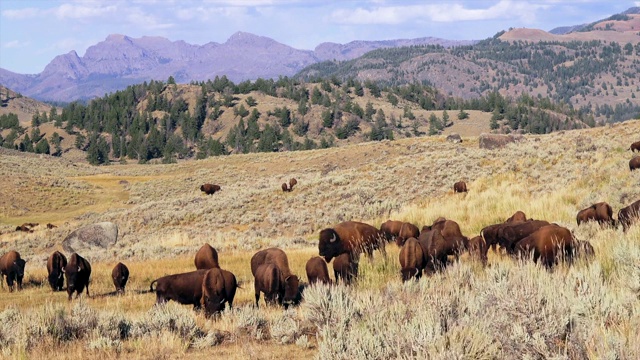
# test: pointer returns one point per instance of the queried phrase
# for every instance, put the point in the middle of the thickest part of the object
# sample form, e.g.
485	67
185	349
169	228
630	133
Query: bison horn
333	238
78	268
222	301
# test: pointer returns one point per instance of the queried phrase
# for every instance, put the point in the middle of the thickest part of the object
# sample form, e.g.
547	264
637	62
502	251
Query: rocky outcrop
95	236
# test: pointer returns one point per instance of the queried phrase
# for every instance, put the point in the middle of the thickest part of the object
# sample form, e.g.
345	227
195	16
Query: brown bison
120	275
436	249
12	266
184	288
55	266
634	163
509	234
600	212
345	267
547	244
292	183
391	229
635	146
412	260
51	226
23	228
285	188
209	189
268	280
287	282
408	230
460	187
218	289
206	258
317	271
77	272
518	216
478	248
628	215
350	237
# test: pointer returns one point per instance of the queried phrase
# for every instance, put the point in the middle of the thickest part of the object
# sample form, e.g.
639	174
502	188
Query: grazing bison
628	215
478	248
184	288
268	280
408	230
292	183
51	226
634	163
206	258
120	275
547	244
12	266
77	272
600	212
23	228
317	271
218	289
518	216
350	237
55	266
460	187
345	267
509	234
287	282
635	146
436	249
412	260
285	188
209	189
390	229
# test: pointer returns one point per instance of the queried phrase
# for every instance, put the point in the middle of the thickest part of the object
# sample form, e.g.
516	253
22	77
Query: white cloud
15	44
19	14
68	11
442	12
137	17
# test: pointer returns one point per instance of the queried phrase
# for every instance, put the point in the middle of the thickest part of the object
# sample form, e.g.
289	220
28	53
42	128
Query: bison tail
151	285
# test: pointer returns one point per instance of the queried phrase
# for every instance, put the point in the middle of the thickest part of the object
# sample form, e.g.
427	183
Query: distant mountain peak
117	37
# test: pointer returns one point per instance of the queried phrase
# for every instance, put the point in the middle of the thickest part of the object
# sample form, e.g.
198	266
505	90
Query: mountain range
120	60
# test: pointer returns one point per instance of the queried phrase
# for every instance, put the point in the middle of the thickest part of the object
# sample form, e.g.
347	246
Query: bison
600	212
478	248
345	267
547	244
285	188
460	187
412	259
51	226
390	229
120	275
628	215
12	266
77	272
350	237
509	234
436	249
634	163
292	183
635	146
55	268
23	228
218	289
408	230
184	288
287	282
518	216
209	189
317	271
206	258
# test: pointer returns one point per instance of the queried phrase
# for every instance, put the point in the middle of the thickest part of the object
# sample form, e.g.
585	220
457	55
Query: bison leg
88	289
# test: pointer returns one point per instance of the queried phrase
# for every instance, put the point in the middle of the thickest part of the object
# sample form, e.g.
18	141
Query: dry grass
507	310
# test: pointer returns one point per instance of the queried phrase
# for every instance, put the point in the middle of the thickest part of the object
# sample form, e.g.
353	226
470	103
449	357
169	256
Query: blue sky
33	32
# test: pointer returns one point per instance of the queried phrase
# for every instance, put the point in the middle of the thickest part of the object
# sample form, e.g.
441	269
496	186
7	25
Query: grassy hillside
508	310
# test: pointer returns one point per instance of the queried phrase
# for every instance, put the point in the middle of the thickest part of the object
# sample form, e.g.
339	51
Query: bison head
408	274
213	304
330	245
291	285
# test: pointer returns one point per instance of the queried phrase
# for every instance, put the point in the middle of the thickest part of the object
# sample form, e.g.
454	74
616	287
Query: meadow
508	310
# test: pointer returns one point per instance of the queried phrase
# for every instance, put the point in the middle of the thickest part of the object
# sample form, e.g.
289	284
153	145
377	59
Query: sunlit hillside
508	310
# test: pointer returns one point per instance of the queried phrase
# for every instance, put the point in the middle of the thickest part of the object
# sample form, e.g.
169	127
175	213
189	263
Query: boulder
454	138
496	141
90	237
